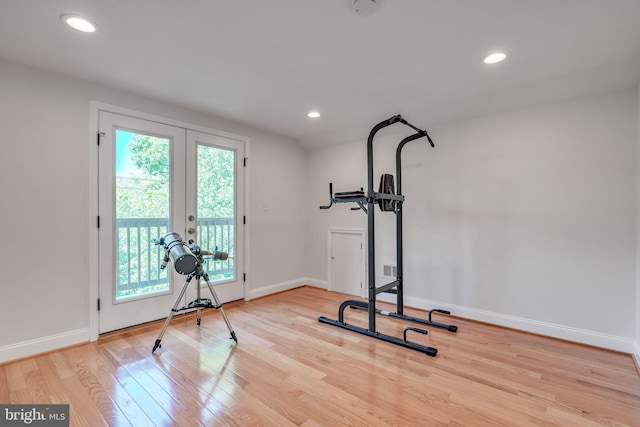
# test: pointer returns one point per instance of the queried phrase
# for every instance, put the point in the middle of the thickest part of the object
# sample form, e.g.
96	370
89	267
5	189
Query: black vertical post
371	246
399	260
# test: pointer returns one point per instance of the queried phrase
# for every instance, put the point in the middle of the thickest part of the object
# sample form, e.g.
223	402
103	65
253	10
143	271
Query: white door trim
363	261
95	107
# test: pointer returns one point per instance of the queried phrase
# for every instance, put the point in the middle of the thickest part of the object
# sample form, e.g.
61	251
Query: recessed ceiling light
313	114
79	23
494	58
364	7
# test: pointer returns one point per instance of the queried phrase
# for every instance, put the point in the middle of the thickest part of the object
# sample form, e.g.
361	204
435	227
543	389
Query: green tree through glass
142	195
216	205
143	188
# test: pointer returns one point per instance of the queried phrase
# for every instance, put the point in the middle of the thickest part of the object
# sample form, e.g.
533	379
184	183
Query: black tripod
198	303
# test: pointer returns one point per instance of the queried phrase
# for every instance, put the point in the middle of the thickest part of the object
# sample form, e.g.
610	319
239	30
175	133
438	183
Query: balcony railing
139	260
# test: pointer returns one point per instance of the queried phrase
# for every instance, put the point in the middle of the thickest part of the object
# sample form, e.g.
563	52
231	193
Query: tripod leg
173	311
198	299
219	307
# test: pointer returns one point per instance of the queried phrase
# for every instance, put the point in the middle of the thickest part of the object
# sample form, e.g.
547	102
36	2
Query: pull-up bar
420	131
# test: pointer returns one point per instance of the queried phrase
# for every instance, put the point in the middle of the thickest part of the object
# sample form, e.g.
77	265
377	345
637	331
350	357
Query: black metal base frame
361	305
428	321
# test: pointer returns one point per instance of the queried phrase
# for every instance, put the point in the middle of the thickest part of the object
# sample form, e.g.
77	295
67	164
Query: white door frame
363	260
95	107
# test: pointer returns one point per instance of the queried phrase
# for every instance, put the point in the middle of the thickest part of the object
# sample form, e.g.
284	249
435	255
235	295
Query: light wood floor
289	369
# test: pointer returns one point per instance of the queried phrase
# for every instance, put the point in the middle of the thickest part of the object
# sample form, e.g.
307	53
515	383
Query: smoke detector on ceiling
364	7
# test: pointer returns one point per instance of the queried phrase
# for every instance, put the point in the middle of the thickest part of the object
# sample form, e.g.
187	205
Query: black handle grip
330	197
420	331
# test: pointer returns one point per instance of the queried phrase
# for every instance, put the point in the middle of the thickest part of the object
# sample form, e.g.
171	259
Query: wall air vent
390	271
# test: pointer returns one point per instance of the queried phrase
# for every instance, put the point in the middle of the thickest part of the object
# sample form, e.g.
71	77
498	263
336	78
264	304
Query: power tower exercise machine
388	201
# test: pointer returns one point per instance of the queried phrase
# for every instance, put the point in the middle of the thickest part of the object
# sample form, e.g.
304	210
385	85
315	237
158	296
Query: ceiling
267	63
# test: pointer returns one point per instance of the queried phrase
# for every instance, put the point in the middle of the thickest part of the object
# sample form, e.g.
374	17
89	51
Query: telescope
176	251
184	259
188	261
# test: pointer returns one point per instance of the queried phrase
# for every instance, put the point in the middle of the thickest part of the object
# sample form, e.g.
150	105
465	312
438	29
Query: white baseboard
44	344
316	283
568	333
636	354
285	286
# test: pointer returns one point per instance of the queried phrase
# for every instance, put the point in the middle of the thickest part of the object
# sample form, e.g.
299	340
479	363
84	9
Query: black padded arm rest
349	195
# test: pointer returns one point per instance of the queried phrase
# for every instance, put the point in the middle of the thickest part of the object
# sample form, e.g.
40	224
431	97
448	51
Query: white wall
45	205
344	166
526	219
279	181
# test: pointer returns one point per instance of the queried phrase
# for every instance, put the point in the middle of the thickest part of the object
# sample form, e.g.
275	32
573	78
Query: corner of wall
637	344
285	286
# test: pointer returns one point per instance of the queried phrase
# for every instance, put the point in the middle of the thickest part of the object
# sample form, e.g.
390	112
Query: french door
155	179
215	182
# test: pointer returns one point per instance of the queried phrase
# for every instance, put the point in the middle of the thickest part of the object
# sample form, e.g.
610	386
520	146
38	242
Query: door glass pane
142	212
216	207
